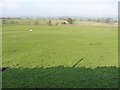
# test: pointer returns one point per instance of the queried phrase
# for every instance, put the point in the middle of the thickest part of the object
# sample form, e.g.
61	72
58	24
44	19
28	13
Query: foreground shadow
60	76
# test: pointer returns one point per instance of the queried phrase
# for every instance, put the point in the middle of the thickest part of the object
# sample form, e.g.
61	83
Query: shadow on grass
60	76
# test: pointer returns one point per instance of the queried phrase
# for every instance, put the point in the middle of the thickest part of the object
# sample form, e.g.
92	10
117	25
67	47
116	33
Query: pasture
45	57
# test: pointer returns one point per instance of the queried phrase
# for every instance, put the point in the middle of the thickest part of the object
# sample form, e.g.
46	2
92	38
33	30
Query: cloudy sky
50	8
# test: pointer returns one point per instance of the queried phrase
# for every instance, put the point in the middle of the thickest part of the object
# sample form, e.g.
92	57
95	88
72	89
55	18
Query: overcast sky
50	8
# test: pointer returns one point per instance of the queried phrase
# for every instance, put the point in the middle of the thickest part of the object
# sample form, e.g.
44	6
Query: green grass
57	77
26	52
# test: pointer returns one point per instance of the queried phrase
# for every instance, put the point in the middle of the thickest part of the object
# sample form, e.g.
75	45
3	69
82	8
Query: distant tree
70	20
107	20
89	19
98	20
36	23
12	22
3	21
16	22
65	22
49	22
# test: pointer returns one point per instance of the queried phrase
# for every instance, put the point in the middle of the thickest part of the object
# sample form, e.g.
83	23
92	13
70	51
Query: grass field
46	56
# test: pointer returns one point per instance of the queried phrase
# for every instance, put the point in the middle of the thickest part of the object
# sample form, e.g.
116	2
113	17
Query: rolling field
47	56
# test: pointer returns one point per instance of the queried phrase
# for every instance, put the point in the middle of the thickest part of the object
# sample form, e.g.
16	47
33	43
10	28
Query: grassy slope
51	46
56	45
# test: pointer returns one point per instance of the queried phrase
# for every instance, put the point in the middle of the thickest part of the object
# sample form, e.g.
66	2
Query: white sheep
30	30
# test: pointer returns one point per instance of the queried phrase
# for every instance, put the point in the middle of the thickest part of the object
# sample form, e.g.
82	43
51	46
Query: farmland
45	57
